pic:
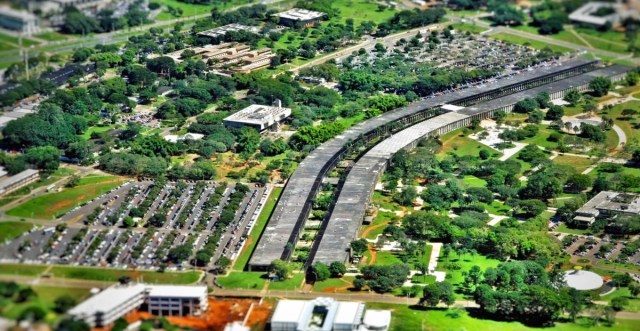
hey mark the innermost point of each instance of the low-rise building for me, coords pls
(19, 20)
(114, 302)
(12, 183)
(258, 117)
(229, 57)
(600, 13)
(297, 16)
(327, 314)
(221, 31)
(608, 204)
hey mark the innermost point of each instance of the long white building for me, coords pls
(114, 302)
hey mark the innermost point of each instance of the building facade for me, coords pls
(19, 20)
(19, 180)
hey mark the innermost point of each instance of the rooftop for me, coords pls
(23, 14)
(174, 291)
(222, 30)
(585, 14)
(16, 178)
(612, 201)
(108, 299)
(258, 114)
(297, 14)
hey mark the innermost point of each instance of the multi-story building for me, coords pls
(325, 314)
(114, 302)
(19, 20)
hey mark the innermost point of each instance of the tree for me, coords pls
(573, 97)
(33, 313)
(128, 222)
(224, 263)
(505, 14)
(406, 196)
(64, 303)
(554, 113)
(71, 324)
(322, 271)
(525, 106)
(541, 186)
(618, 303)
(46, 158)
(359, 246)
(359, 284)
(632, 79)
(600, 86)
(26, 294)
(435, 293)
(337, 269)
(578, 183)
(280, 269)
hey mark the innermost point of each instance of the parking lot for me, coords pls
(147, 225)
(603, 249)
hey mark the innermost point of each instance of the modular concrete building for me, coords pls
(221, 31)
(114, 302)
(599, 13)
(608, 204)
(295, 16)
(12, 183)
(229, 57)
(19, 20)
(258, 117)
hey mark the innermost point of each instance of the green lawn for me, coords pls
(256, 232)
(384, 201)
(49, 206)
(473, 28)
(496, 208)
(625, 123)
(333, 284)
(541, 138)
(97, 129)
(361, 10)
(6, 39)
(10, 230)
(51, 36)
(455, 142)
(565, 229)
(46, 295)
(189, 9)
(406, 318)
(580, 164)
(377, 226)
(290, 284)
(528, 42)
(247, 280)
(22, 269)
(112, 275)
(473, 181)
(465, 263)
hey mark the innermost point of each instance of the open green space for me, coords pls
(96, 129)
(634, 302)
(362, 10)
(542, 138)
(473, 28)
(22, 269)
(51, 36)
(580, 164)
(16, 41)
(473, 181)
(247, 280)
(290, 284)
(257, 230)
(563, 228)
(384, 201)
(376, 227)
(408, 318)
(10, 230)
(455, 264)
(529, 42)
(626, 123)
(190, 9)
(334, 284)
(112, 275)
(46, 295)
(51, 205)
(459, 144)
(496, 208)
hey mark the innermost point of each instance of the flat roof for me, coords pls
(222, 30)
(308, 175)
(175, 291)
(288, 311)
(107, 300)
(377, 318)
(258, 114)
(297, 14)
(615, 201)
(349, 313)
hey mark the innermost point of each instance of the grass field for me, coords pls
(290, 284)
(361, 10)
(455, 142)
(407, 318)
(6, 39)
(112, 275)
(625, 123)
(248, 280)
(541, 138)
(51, 36)
(334, 284)
(473, 181)
(10, 230)
(97, 129)
(376, 227)
(465, 262)
(22, 269)
(261, 223)
(46, 295)
(49, 206)
(528, 42)
(580, 164)
(189, 9)
(473, 28)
